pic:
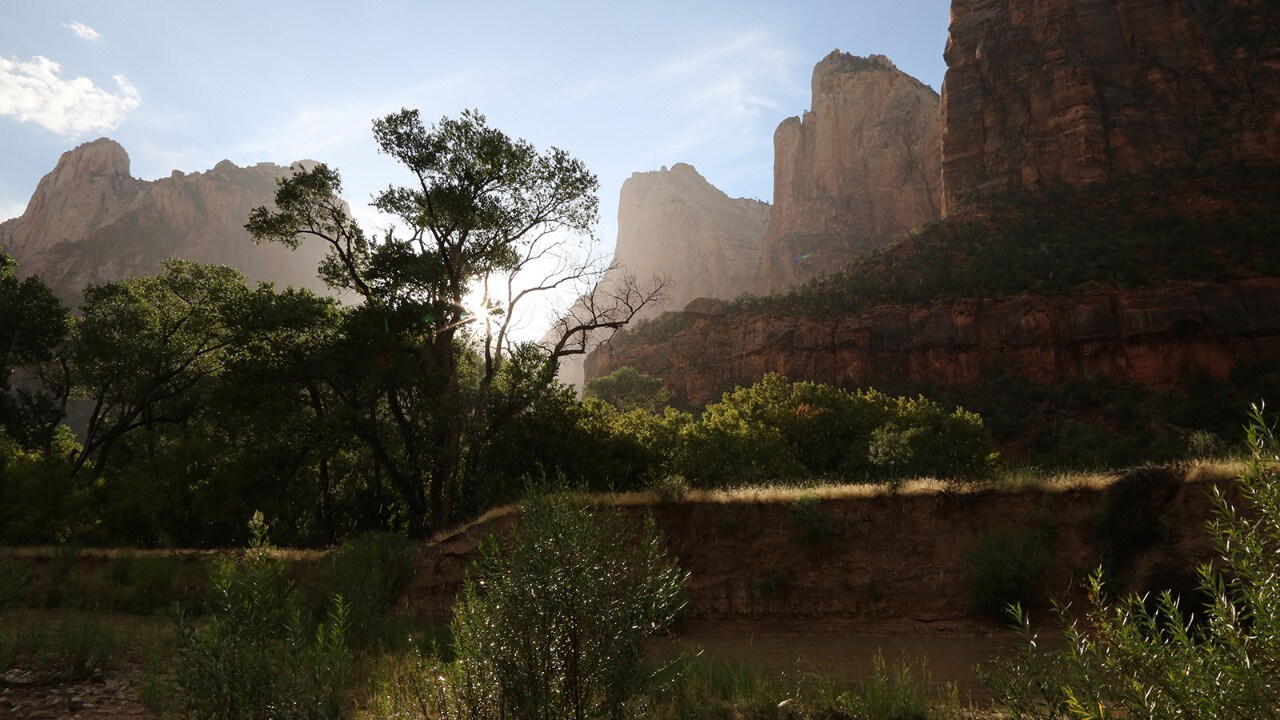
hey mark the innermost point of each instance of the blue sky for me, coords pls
(625, 86)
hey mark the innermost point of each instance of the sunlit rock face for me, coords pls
(1075, 92)
(674, 224)
(862, 168)
(675, 227)
(90, 221)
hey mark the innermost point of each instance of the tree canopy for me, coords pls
(483, 214)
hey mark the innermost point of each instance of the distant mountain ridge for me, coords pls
(90, 221)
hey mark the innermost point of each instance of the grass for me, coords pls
(69, 644)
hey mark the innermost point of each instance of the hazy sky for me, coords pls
(625, 86)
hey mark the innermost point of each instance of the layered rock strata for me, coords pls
(1156, 337)
(1072, 92)
(860, 169)
(90, 221)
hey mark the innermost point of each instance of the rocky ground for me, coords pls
(103, 696)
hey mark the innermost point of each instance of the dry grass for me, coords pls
(1199, 471)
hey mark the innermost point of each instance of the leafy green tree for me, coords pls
(783, 429)
(146, 347)
(626, 388)
(34, 328)
(481, 211)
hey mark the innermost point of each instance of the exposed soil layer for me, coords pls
(904, 562)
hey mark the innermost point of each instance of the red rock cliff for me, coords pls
(90, 221)
(1071, 92)
(861, 169)
(1156, 337)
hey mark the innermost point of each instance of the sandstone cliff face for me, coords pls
(1071, 92)
(862, 168)
(675, 226)
(1157, 337)
(90, 221)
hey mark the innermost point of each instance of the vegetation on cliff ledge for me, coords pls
(1060, 244)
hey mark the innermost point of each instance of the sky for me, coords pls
(624, 86)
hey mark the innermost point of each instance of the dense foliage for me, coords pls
(783, 430)
(257, 655)
(1139, 657)
(552, 623)
(1060, 243)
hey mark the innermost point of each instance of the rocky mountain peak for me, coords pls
(90, 221)
(103, 156)
(672, 223)
(859, 170)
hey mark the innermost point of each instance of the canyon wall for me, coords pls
(1073, 92)
(673, 224)
(675, 227)
(862, 168)
(1156, 337)
(90, 221)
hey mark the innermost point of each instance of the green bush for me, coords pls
(15, 583)
(1005, 567)
(369, 572)
(1131, 658)
(779, 429)
(553, 624)
(627, 389)
(891, 693)
(256, 655)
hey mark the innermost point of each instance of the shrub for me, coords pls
(628, 389)
(71, 648)
(811, 524)
(1126, 659)
(783, 429)
(369, 572)
(1005, 567)
(553, 625)
(896, 693)
(256, 656)
(15, 583)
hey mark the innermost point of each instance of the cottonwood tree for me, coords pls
(33, 326)
(144, 347)
(482, 213)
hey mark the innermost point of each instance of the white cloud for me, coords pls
(11, 209)
(727, 94)
(35, 91)
(82, 31)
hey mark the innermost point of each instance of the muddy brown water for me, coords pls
(948, 658)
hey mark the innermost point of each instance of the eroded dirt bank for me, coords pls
(873, 561)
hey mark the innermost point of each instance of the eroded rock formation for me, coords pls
(861, 169)
(676, 227)
(90, 221)
(674, 224)
(1071, 92)
(1156, 337)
